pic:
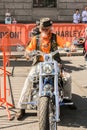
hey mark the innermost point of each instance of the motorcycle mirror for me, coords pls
(19, 48)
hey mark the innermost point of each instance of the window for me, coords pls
(44, 3)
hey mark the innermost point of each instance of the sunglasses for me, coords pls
(45, 29)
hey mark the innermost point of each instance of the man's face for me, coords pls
(86, 8)
(77, 11)
(45, 30)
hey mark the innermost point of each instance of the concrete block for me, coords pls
(14, 5)
(27, 5)
(23, 12)
(62, 5)
(3, 1)
(74, 6)
(23, 1)
(24, 18)
(1, 5)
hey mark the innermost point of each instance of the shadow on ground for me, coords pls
(68, 65)
(75, 118)
(69, 118)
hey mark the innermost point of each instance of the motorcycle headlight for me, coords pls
(47, 68)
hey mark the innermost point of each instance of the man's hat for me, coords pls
(45, 22)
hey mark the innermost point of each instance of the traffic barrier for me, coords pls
(21, 33)
(3, 88)
(17, 33)
(70, 31)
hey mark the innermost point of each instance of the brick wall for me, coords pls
(23, 10)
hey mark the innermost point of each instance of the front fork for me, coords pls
(56, 92)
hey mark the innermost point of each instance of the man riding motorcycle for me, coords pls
(46, 42)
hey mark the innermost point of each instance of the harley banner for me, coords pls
(21, 33)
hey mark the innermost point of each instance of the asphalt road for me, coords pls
(69, 119)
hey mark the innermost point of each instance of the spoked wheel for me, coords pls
(46, 119)
(44, 113)
(53, 123)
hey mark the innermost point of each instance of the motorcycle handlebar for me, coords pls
(40, 53)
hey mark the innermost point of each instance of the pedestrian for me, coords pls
(85, 53)
(46, 42)
(76, 17)
(35, 31)
(8, 18)
(85, 48)
(84, 15)
(14, 21)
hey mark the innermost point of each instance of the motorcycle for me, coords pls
(47, 92)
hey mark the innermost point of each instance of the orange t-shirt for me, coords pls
(45, 43)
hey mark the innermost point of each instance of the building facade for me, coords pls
(26, 11)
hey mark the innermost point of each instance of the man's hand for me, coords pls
(27, 55)
(60, 65)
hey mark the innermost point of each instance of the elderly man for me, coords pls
(46, 42)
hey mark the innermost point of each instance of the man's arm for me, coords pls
(30, 47)
(32, 44)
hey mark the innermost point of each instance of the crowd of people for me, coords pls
(77, 17)
(80, 18)
(9, 19)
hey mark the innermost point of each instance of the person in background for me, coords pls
(75, 41)
(84, 15)
(85, 48)
(35, 31)
(76, 17)
(8, 18)
(14, 21)
(85, 53)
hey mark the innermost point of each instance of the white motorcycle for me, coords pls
(47, 93)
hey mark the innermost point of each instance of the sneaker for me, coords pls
(20, 114)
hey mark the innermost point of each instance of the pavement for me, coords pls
(70, 119)
(20, 54)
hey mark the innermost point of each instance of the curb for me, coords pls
(78, 53)
(15, 54)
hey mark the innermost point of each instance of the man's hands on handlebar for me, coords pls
(26, 54)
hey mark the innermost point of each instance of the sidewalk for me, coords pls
(70, 119)
(19, 54)
(79, 52)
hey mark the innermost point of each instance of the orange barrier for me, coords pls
(6, 53)
(21, 33)
(17, 33)
(70, 31)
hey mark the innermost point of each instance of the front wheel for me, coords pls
(44, 113)
(46, 116)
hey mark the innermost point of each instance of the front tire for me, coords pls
(44, 113)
